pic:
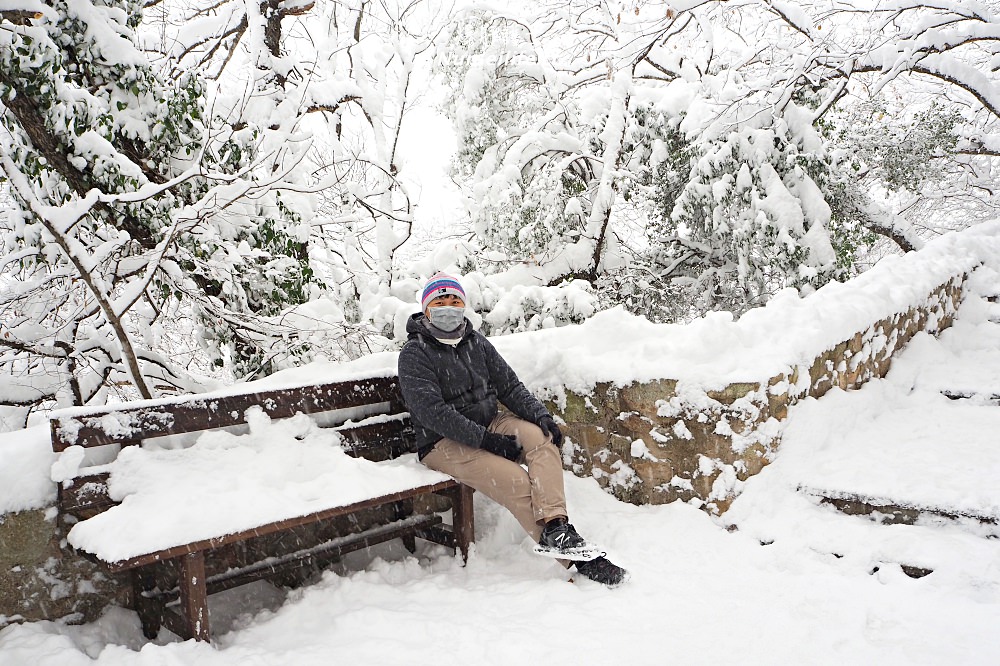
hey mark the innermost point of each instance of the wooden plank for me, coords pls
(439, 535)
(891, 512)
(85, 496)
(899, 514)
(271, 528)
(194, 595)
(378, 441)
(193, 414)
(174, 622)
(966, 395)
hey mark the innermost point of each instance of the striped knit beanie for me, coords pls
(440, 285)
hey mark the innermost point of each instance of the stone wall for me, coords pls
(39, 580)
(658, 442)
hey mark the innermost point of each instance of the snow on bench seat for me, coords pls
(227, 483)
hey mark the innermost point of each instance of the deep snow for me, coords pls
(779, 578)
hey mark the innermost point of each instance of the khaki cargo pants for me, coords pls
(533, 495)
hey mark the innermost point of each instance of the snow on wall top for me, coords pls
(714, 350)
(710, 352)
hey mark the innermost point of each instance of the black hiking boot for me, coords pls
(560, 540)
(604, 571)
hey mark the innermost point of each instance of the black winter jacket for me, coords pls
(453, 391)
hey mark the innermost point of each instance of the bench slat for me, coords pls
(891, 511)
(133, 424)
(85, 496)
(378, 441)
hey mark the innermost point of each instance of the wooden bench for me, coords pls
(186, 573)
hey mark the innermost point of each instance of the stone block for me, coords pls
(41, 581)
(733, 392)
(642, 398)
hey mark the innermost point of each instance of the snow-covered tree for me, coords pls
(135, 203)
(349, 73)
(192, 183)
(543, 163)
(704, 156)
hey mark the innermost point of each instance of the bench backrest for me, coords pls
(131, 423)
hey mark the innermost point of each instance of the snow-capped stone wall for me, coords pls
(656, 442)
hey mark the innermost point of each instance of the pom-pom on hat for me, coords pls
(440, 285)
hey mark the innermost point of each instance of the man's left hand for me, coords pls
(550, 429)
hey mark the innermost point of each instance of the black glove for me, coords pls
(505, 446)
(550, 429)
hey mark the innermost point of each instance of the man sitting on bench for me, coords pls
(452, 379)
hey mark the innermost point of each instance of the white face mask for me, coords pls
(446, 317)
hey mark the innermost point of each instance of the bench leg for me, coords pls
(194, 596)
(143, 581)
(463, 519)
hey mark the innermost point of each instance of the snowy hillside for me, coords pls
(779, 578)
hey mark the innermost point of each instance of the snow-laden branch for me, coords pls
(612, 135)
(76, 254)
(892, 226)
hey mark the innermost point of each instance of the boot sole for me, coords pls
(574, 555)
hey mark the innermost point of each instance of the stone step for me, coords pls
(985, 398)
(910, 570)
(888, 511)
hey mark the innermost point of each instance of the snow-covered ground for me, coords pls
(789, 581)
